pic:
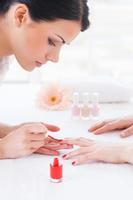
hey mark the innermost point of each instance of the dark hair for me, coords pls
(50, 10)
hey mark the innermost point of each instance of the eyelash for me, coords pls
(51, 42)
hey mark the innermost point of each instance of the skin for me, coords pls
(33, 44)
(32, 41)
(29, 138)
(90, 150)
(124, 124)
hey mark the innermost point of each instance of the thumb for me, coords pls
(52, 127)
(127, 132)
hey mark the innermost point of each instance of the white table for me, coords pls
(28, 178)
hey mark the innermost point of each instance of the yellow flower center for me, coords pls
(53, 99)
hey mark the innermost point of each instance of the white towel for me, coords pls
(109, 89)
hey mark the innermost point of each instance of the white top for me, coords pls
(4, 65)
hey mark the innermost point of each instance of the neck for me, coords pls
(5, 47)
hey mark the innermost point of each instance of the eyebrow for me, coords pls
(63, 41)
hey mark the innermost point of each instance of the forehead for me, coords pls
(67, 29)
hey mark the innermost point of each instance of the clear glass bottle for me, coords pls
(75, 109)
(85, 108)
(95, 110)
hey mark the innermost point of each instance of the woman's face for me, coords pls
(36, 43)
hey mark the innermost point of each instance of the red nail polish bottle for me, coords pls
(56, 171)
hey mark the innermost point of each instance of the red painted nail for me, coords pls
(73, 163)
(64, 156)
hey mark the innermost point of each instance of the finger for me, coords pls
(46, 151)
(77, 152)
(108, 127)
(127, 132)
(51, 140)
(66, 146)
(36, 137)
(59, 146)
(36, 144)
(97, 126)
(54, 139)
(52, 127)
(84, 159)
(34, 128)
(82, 142)
(52, 146)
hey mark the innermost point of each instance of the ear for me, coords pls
(21, 14)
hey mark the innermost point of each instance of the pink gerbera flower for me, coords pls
(54, 97)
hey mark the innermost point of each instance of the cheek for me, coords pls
(30, 43)
(35, 44)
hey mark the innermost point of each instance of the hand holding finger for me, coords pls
(46, 151)
(82, 142)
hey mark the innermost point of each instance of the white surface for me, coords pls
(28, 178)
(110, 89)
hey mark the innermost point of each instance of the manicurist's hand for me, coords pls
(23, 141)
(124, 124)
(50, 145)
(90, 150)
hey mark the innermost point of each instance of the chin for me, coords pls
(28, 68)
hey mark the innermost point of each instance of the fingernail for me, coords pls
(123, 134)
(74, 163)
(64, 156)
(95, 133)
(56, 153)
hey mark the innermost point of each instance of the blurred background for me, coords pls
(99, 60)
(104, 50)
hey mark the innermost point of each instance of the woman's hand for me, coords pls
(50, 145)
(23, 141)
(99, 151)
(124, 124)
(6, 129)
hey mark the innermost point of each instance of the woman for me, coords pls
(35, 31)
(91, 150)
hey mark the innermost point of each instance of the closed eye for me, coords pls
(51, 42)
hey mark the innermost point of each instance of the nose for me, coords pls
(53, 56)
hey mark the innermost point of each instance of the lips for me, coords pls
(38, 64)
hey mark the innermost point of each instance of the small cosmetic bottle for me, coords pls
(75, 109)
(95, 110)
(85, 107)
(56, 171)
